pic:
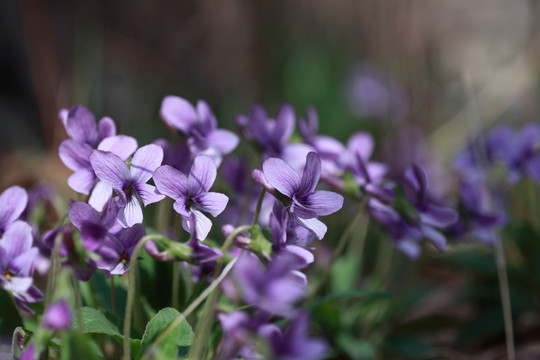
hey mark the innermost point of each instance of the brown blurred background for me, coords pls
(459, 65)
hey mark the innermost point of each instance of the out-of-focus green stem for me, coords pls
(131, 293)
(258, 208)
(201, 332)
(208, 291)
(176, 269)
(341, 246)
(505, 297)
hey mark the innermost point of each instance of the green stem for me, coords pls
(131, 293)
(176, 269)
(208, 291)
(78, 302)
(258, 208)
(505, 297)
(204, 325)
(51, 278)
(341, 246)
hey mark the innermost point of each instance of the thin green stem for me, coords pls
(203, 326)
(208, 291)
(131, 293)
(258, 208)
(54, 264)
(176, 269)
(78, 302)
(505, 297)
(341, 246)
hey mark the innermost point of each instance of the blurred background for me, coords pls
(417, 71)
(423, 76)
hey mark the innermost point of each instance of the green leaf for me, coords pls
(95, 322)
(180, 336)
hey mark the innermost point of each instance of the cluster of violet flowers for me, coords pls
(270, 217)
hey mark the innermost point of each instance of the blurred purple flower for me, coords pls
(298, 194)
(130, 184)
(17, 264)
(199, 125)
(57, 316)
(372, 93)
(191, 193)
(12, 204)
(480, 219)
(273, 135)
(294, 343)
(329, 149)
(410, 225)
(176, 155)
(273, 289)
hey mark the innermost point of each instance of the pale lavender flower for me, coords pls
(191, 193)
(200, 126)
(57, 316)
(130, 183)
(12, 204)
(76, 156)
(17, 264)
(298, 194)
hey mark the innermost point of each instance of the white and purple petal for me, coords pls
(110, 168)
(281, 176)
(170, 181)
(121, 145)
(212, 202)
(12, 203)
(145, 161)
(202, 175)
(178, 113)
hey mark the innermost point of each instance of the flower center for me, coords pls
(124, 259)
(7, 275)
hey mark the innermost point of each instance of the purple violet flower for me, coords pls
(17, 264)
(130, 184)
(122, 244)
(298, 194)
(288, 236)
(76, 156)
(57, 316)
(191, 193)
(80, 124)
(12, 204)
(199, 125)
